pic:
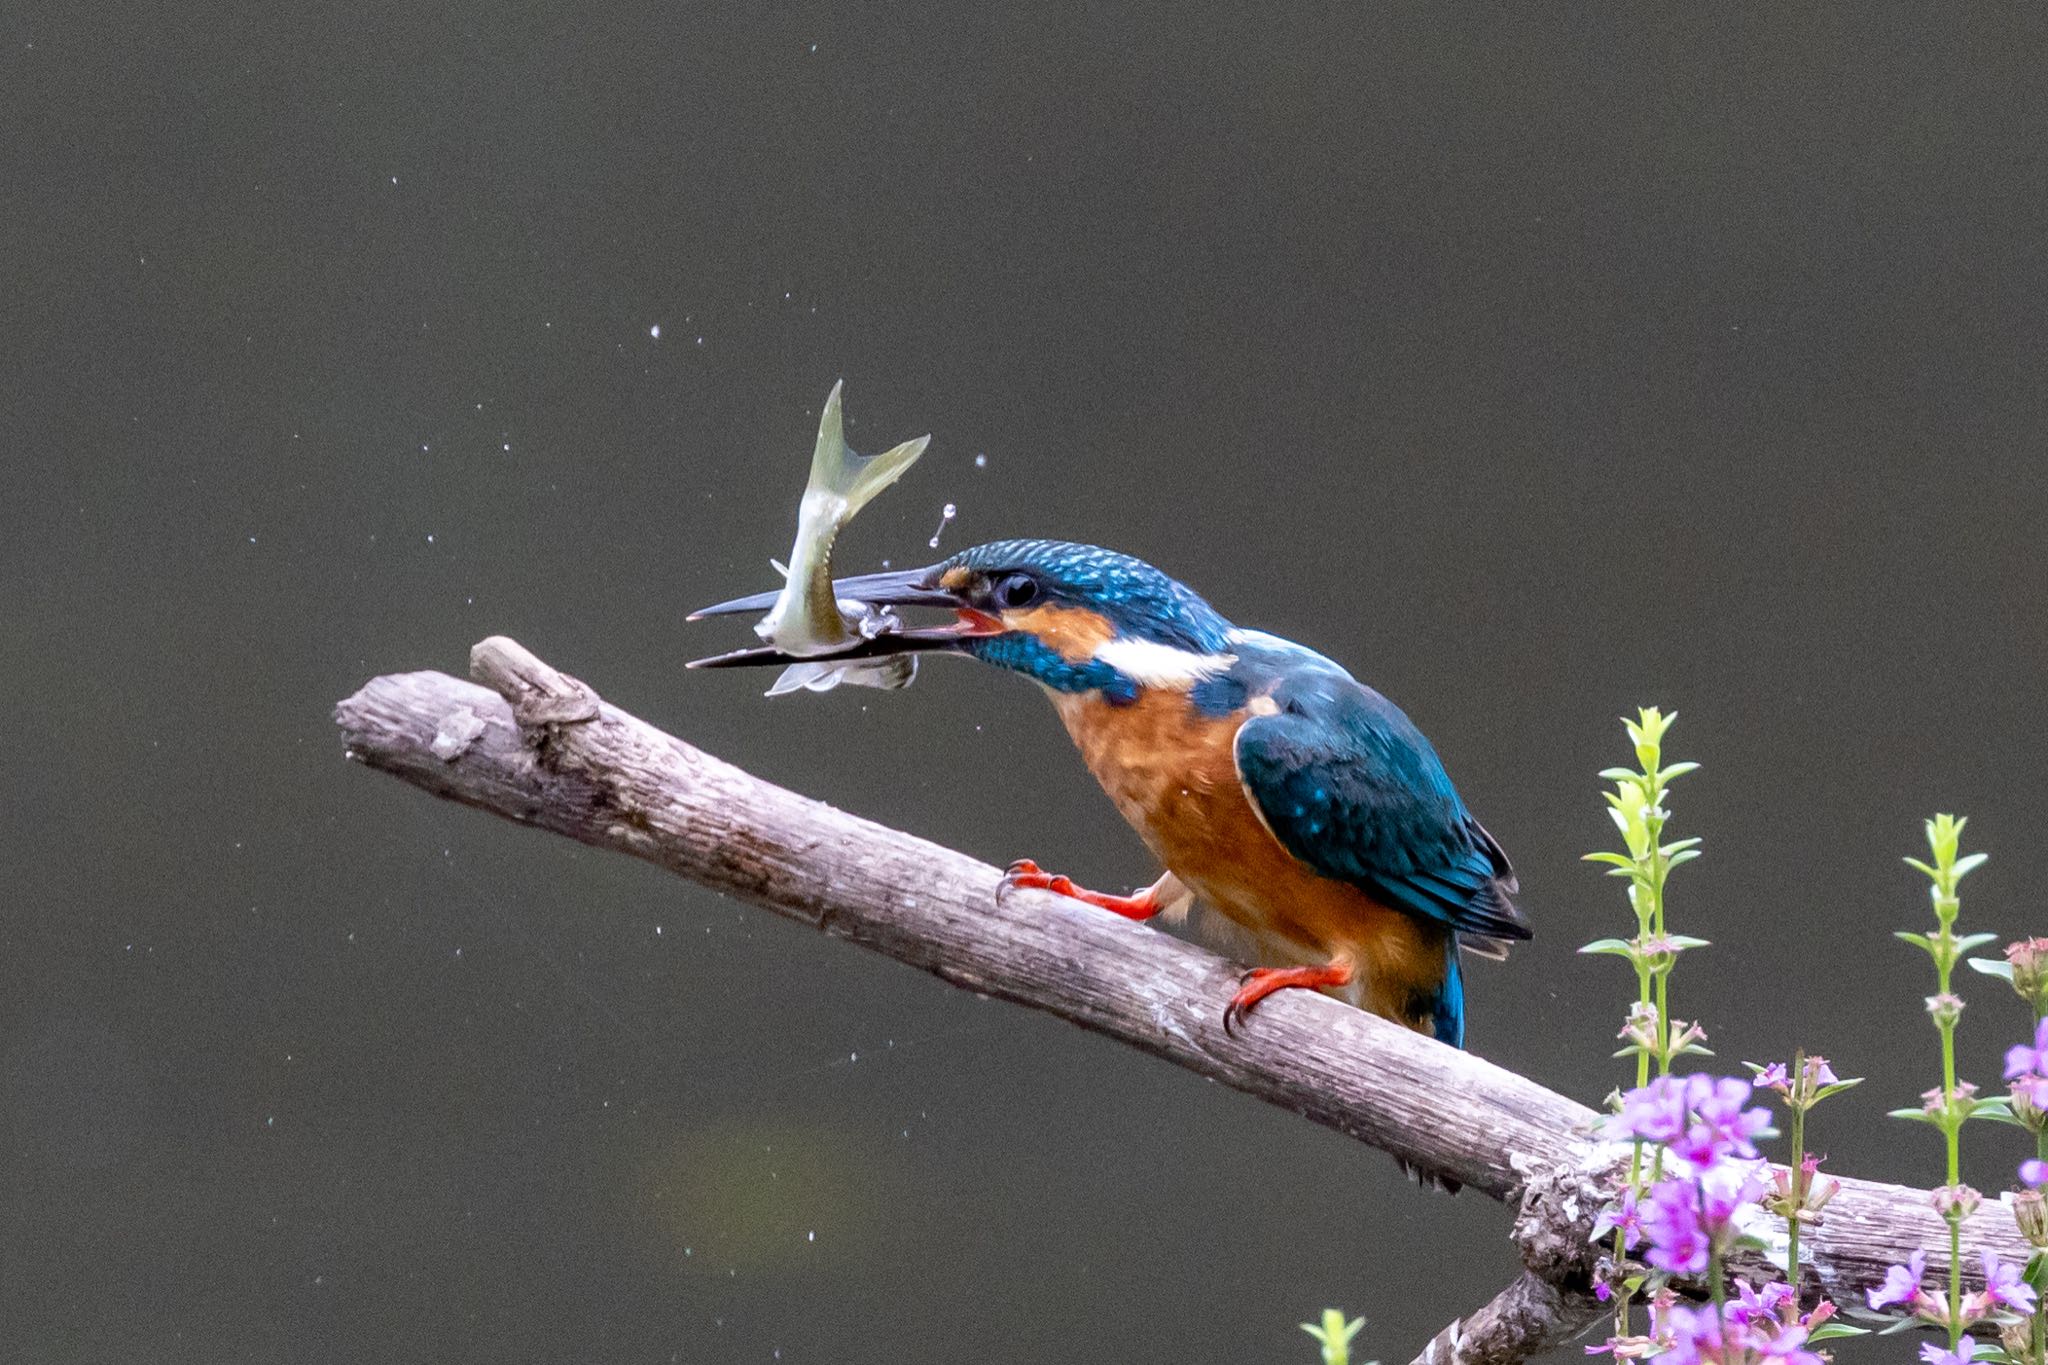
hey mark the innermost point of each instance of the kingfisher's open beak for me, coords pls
(899, 588)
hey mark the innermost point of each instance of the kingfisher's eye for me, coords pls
(1016, 591)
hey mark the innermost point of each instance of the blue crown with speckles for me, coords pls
(1140, 601)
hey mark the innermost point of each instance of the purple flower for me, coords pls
(1901, 1283)
(1774, 1077)
(1758, 1306)
(1655, 1112)
(1686, 1220)
(1678, 1241)
(1721, 1126)
(1695, 1336)
(2022, 1060)
(1623, 1214)
(2034, 1172)
(1934, 1355)
(2003, 1287)
(1701, 1118)
(1787, 1347)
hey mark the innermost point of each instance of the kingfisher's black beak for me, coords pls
(899, 588)
(886, 591)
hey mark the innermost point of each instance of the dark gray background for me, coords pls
(1535, 364)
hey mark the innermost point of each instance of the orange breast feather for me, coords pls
(1171, 772)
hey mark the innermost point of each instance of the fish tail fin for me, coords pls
(836, 470)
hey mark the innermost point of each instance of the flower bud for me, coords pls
(2030, 1211)
(1946, 1008)
(1956, 1201)
(2027, 1095)
(2029, 959)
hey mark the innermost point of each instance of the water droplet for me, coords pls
(981, 462)
(946, 514)
(655, 331)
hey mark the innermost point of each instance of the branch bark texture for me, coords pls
(538, 747)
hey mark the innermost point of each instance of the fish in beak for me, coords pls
(821, 633)
(879, 637)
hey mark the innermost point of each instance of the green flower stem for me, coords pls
(1798, 1193)
(1946, 907)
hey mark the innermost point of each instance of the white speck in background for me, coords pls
(655, 331)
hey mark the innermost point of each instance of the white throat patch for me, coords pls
(1151, 664)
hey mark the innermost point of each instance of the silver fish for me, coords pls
(807, 618)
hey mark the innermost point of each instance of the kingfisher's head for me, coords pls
(1077, 618)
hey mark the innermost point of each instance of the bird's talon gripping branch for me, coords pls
(1026, 874)
(1260, 982)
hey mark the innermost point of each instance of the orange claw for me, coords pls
(1025, 874)
(1260, 982)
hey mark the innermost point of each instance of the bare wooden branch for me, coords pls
(1530, 1316)
(539, 747)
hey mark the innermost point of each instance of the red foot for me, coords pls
(1026, 874)
(1260, 982)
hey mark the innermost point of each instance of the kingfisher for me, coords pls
(1271, 785)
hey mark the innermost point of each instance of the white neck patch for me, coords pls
(1152, 664)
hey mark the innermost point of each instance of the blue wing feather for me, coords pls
(1348, 785)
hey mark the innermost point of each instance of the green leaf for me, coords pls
(1965, 866)
(1923, 867)
(1969, 941)
(1682, 941)
(1999, 1110)
(1992, 967)
(1917, 940)
(1620, 947)
(1682, 857)
(1618, 859)
(1837, 1088)
(1917, 1115)
(1677, 770)
(1827, 1331)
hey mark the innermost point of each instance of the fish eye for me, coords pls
(1017, 590)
